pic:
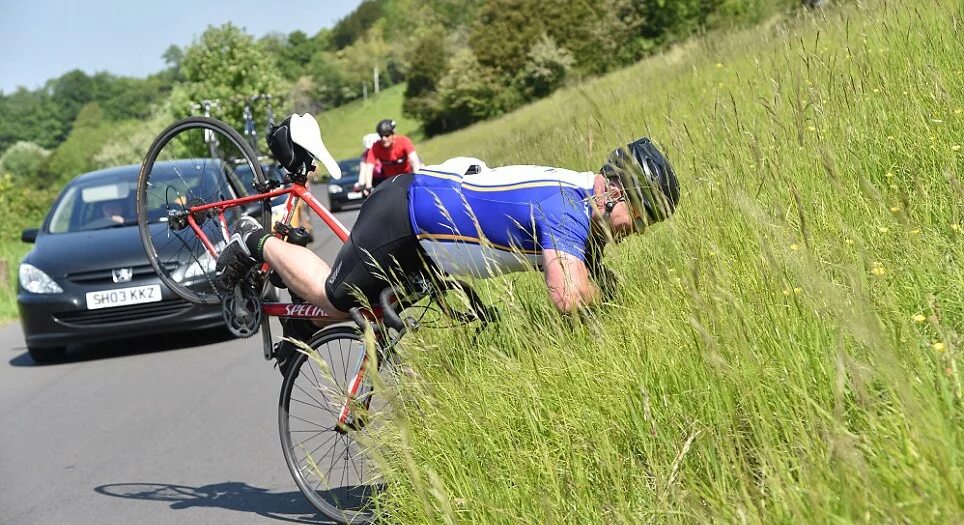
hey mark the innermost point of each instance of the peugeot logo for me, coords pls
(122, 275)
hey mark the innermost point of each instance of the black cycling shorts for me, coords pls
(382, 244)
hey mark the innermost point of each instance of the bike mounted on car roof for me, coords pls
(336, 392)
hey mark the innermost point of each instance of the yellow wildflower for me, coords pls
(811, 128)
(878, 269)
(786, 292)
(889, 174)
(895, 209)
(794, 246)
(915, 231)
(850, 242)
(955, 227)
(797, 290)
(919, 318)
(939, 346)
(883, 229)
(956, 147)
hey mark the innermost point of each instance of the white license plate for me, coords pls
(354, 195)
(123, 296)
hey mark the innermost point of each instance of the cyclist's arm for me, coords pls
(414, 161)
(568, 281)
(365, 174)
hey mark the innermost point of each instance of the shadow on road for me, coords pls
(131, 346)
(231, 495)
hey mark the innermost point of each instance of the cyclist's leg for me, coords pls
(381, 240)
(382, 247)
(302, 271)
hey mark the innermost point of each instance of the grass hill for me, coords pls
(786, 349)
(343, 127)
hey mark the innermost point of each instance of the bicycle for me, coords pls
(250, 128)
(209, 137)
(336, 394)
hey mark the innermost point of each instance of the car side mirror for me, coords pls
(29, 235)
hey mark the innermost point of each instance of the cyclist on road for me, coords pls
(367, 142)
(395, 153)
(463, 218)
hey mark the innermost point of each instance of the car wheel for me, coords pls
(47, 354)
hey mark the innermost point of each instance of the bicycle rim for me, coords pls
(195, 161)
(335, 470)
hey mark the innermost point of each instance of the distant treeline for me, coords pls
(463, 61)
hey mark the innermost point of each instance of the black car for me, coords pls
(342, 192)
(88, 278)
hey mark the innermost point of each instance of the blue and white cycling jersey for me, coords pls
(498, 220)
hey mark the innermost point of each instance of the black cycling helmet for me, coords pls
(290, 155)
(649, 183)
(385, 128)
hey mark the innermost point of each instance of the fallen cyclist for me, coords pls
(464, 218)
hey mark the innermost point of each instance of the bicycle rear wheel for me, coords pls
(194, 162)
(334, 467)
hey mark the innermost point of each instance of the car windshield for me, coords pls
(349, 171)
(108, 201)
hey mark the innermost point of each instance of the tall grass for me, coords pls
(786, 349)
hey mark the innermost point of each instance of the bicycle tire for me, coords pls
(177, 255)
(341, 499)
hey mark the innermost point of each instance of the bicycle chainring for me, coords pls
(242, 309)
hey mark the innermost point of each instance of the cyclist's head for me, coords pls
(369, 140)
(646, 181)
(386, 131)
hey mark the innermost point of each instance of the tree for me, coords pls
(504, 32)
(23, 160)
(74, 156)
(427, 65)
(173, 56)
(225, 65)
(32, 116)
(356, 24)
(469, 92)
(546, 68)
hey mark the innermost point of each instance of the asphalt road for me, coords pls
(167, 430)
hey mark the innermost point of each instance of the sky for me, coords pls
(43, 39)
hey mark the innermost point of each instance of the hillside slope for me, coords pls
(787, 349)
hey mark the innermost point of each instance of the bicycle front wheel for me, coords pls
(334, 465)
(195, 162)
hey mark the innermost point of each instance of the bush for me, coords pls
(23, 160)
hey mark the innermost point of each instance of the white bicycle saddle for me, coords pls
(306, 133)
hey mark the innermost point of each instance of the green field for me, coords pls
(787, 349)
(343, 127)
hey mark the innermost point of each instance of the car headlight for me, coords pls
(334, 189)
(34, 280)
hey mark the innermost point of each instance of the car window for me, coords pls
(349, 170)
(94, 206)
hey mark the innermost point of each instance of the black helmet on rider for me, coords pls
(648, 182)
(385, 128)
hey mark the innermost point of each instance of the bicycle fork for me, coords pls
(348, 417)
